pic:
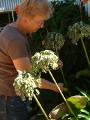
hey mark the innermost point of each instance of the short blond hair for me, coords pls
(36, 7)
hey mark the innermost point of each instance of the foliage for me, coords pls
(63, 16)
(84, 113)
(77, 103)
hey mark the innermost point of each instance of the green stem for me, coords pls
(63, 77)
(85, 51)
(81, 11)
(62, 95)
(65, 82)
(41, 107)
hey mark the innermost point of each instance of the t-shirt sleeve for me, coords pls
(17, 49)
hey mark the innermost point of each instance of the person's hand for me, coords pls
(62, 88)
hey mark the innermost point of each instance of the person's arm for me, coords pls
(45, 84)
(23, 64)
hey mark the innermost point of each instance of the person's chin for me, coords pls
(35, 30)
(32, 31)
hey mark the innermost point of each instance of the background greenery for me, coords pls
(73, 57)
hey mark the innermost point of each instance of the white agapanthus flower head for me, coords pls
(25, 85)
(44, 61)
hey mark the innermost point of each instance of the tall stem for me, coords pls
(62, 94)
(65, 82)
(63, 77)
(41, 107)
(81, 10)
(85, 51)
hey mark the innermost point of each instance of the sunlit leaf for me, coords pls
(84, 93)
(84, 111)
(78, 101)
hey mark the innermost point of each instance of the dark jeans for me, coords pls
(13, 109)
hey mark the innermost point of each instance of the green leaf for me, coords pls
(85, 111)
(84, 93)
(78, 101)
(84, 116)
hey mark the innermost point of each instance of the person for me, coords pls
(15, 55)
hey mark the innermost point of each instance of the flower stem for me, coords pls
(62, 95)
(63, 77)
(85, 51)
(65, 82)
(47, 118)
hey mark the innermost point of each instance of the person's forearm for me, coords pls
(48, 85)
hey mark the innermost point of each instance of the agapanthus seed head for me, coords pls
(46, 61)
(78, 31)
(25, 85)
(54, 41)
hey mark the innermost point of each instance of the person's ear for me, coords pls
(17, 10)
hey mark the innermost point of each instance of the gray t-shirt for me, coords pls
(13, 45)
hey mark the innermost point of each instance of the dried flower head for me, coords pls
(54, 41)
(78, 31)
